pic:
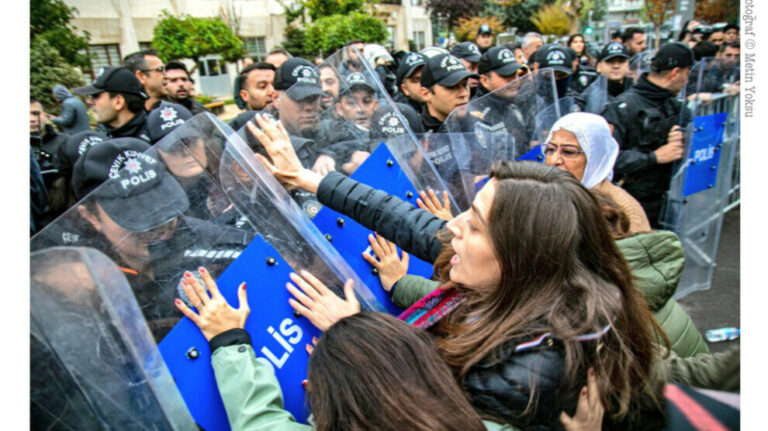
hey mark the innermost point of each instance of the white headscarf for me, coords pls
(594, 136)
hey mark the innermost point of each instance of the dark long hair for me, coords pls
(371, 371)
(561, 273)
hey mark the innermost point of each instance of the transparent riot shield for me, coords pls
(640, 63)
(198, 199)
(595, 97)
(506, 124)
(361, 133)
(90, 333)
(698, 193)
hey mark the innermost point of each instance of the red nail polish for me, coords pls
(184, 282)
(187, 274)
(177, 301)
(243, 286)
(202, 270)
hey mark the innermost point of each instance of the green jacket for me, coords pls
(656, 260)
(252, 395)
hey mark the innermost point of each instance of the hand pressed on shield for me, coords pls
(324, 164)
(318, 304)
(432, 204)
(285, 164)
(214, 315)
(391, 268)
(589, 412)
(357, 159)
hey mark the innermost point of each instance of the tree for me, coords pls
(717, 10)
(516, 13)
(190, 37)
(47, 68)
(467, 28)
(552, 19)
(321, 8)
(50, 20)
(330, 33)
(452, 10)
(657, 12)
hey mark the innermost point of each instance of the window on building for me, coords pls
(145, 45)
(419, 40)
(256, 47)
(211, 67)
(101, 56)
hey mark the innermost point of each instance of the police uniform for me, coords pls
(642, 118)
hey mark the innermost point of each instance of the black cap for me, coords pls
(298, 78)
(445, 70)
(408, 66)
(484, 29)
(356, 80)
(467, 51)
(499, 59)
(134, 188)
(613, 50)
(75, 146)
(164, 119)
(556, 57)
(115, 79)
(672, 55)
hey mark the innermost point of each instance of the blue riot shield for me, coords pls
(358, 131)
(698, 193)
(197, 198)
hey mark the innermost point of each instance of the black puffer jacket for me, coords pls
(499, 386)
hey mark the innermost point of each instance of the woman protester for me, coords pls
(533, 287)
(582, 144)
(347, 387)
(576, 42)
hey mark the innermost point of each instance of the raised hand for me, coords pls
(317, 303)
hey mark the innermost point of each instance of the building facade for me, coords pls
(120, 27)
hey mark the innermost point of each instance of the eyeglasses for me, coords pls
(160, 69)
(567, 151)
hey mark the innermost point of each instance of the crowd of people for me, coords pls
(550, 304)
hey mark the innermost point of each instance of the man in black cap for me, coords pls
(117, 100)
(444, 86)
(496, 105)
(613, 63)
(140, 213)
(179, 85)
(298, 97)
(731, 33)
(497, 68)
(347, 137)
(646, 125)
(560, 59)
(469, 54)
(409, 81)
(484, 39)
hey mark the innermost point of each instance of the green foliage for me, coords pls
(330, 33)
(190, 37)
(321, 8)
(293, 41)
(46, 69)
(50, 20)
(552, 19)
(516, 14)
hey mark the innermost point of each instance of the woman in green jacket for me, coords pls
(369, 371)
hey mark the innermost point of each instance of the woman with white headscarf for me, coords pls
(582, 144)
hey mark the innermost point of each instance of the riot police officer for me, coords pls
(647, 125)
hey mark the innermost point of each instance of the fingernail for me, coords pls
(304, 384)
(202, 270)
(584, 391)
(177, 301)
(184, 282)
(314, 340)
(187, 274)
(243, 285)
(591, 372)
